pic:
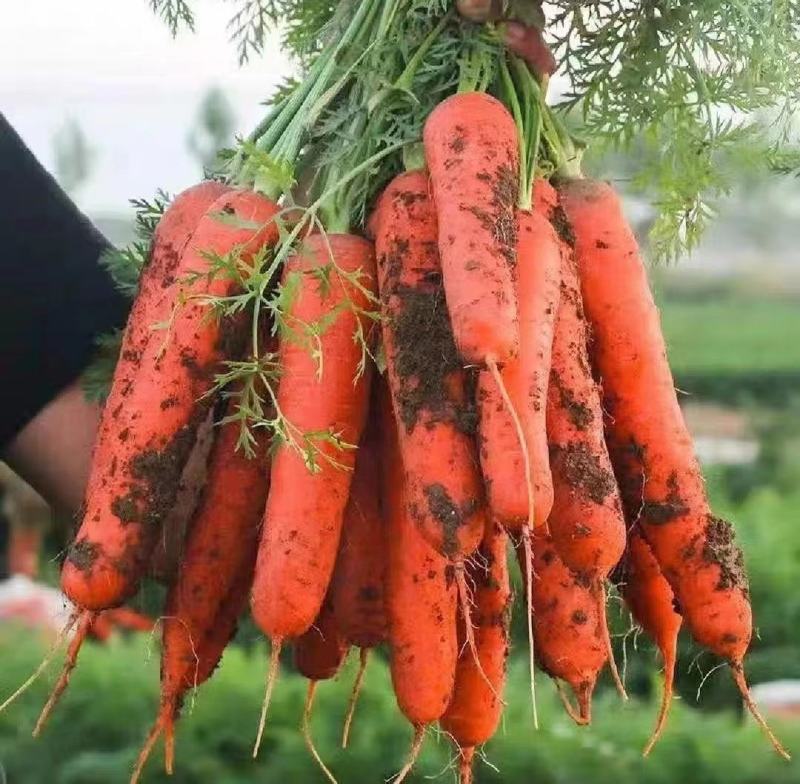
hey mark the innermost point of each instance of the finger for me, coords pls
(528, 43)
(479, 10)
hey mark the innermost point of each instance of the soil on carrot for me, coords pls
(720, 548)
(500, 220)
(560, 222)
(82, 554)
(156, 475)
(582, 470)
(671, 508)
(448, 513)
(425, 351)
(578, 413)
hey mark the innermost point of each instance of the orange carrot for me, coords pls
(472, 152)
(434, 415)
(651, 603)
(568, 629)
(474, 711)
(526, 379)
(587, 525)
(662, 486)
(357, 587)
(216, 568)
(151, 416)
(323, 396)
(420, 601)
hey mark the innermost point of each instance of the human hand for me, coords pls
(524, 40)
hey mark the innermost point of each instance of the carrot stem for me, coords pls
(272, 676)
(353, 701)
(85, 621)
(738, 676)
(309, 741)
(413, 754)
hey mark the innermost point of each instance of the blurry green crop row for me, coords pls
(95, 735)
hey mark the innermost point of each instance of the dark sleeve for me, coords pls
(55, 298)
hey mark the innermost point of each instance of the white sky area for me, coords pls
(113, 66)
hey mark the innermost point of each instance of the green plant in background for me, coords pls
(96, 734)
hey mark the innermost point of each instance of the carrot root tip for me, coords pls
(85, 620)
(738, 677)
(354, 695)
(272, 675)
(413, 754)
(306, 727)
(666, 702)
(466, 757)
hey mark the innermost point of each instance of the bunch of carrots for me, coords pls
(476, 369)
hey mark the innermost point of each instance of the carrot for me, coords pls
(318, 656)
(568, 629)
(472, 153)
(434, 413)
(474, 711)
(305, 510)
(421, 601)
(149, 421)
(526, 378)
(216, 568)
(662, 485)
(651, 603)
(586, 522)
(357, 586)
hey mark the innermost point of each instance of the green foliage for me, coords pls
(213, 129)
(709, 87)
(74, 157)
(175, 13)
(95, 734)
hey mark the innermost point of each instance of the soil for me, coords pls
(82, 554)
(579, 414)
(582, 470)
(671, 508)
(448, 514)
(720, 549)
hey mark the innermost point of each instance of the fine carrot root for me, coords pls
(44, 664)
(84, 621)
(527, 554)
(413, 754)
(272, 677)
(465, 608)
(600, 591)
(307, 737)
(528, 527)
(741, 683)
(580, 715)
(354, 695)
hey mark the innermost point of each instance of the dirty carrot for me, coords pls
(323, 396)
(663, 488)
(474, 711)
(652, 605)
(421, 601)
(216, 568)
(434, 412)
(472, 152)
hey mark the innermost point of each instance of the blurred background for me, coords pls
(116, 109)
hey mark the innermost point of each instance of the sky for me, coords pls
(112, 65)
